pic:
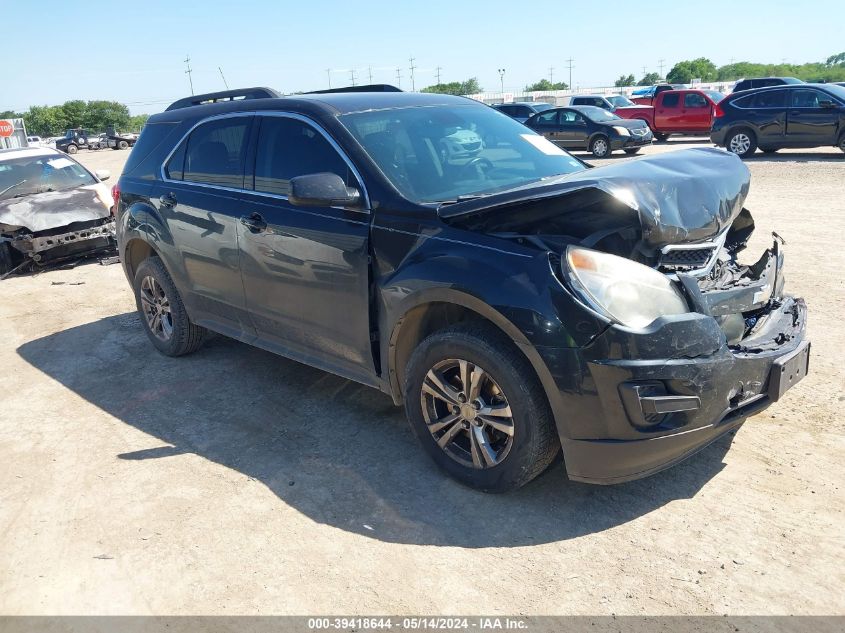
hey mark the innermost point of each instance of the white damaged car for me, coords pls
(51, 209)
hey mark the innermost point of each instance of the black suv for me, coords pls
(764, 82)
(513, 299)
(801, 115)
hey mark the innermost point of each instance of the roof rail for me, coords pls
(367, 88)
(224, 95)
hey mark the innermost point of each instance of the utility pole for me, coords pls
(660, 63)
(502, 79)
(644, 71)
(225, 83)
(551, 74)
(398, 77)
(352, 75)
(370, 73)
(570, 66)
(188, 72)
(329, 75)
(413, 68)
(437, 73)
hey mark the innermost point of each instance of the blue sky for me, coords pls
(289, 45)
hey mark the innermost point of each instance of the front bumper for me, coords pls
(652, 398)
(628, 142)
(55, 246)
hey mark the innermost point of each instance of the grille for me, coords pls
(686, 258)
(471, 146)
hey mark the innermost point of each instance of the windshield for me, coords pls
(541, 107)
(599, 115)
(620, 101)
(837, 91)
(37, 174)
(714, 95)
(438, 154)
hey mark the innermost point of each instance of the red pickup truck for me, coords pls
(678, 112)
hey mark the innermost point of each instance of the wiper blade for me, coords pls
(12, 186)
(465, 198)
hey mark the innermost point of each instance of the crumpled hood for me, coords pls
(683, 196)
(54, 209)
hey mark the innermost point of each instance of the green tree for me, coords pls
(649, 79)
(836, 60)
(100, 114)
(624, 80)
(685, 71)
(544, 85)
(468, 87)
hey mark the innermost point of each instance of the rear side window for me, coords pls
(214, 153)
(769, 99)
(288, 148)
(151, 137)
(694, 100)
(671, 100)
(547, 118)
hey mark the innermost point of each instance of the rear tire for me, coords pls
(600, 146)
(162, 312)
(122, 144)
(660, 137)
(741, 142)
(492, 452)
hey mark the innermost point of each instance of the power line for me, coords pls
(188, 72)
(413, 87)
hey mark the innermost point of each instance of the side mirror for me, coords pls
(827, 103)
(103, 174)
(322, 190)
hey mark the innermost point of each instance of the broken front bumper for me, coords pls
(681, 392)
(43, 248)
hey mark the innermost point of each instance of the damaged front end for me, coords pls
(55, 227)
(693, 341)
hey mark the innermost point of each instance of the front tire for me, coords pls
(600, 147)
(660, 137)
(72, 149)
(122, 144)
(162, 312)
(478, 410)
(632, 151)
(741, 142)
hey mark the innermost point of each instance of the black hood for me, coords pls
(684, 196)
(53, 209)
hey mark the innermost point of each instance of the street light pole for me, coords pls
(502, 79)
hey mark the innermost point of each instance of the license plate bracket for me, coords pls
(788, 370)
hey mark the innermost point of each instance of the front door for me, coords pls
(305, 270)
(697, 112)
(809, 124)
(667, 111)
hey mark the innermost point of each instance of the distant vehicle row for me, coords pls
(79, 138)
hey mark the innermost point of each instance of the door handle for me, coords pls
(168, 200)
(254, 222)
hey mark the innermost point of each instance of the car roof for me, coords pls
(520, 103)
(23, 152)
(332, 104)
(592, 96)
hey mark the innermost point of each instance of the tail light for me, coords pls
(115, 196)
(718, 113)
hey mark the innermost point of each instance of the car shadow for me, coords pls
(786, 156)
(336, 451)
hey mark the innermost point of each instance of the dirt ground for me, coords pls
(234, 482)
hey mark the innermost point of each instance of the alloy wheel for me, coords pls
(740, 143)
(156, 308)
(600, 147)
(467, 413)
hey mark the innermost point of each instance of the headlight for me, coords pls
(621, 131)
(623, 290)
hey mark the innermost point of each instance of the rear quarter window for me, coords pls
(151, 138)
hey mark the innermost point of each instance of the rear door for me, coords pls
(667, 110)
(809, 124)
(546, 123)
(198, 199)
(305, 270)
(766, 111)
(572, 130)
(696, 112)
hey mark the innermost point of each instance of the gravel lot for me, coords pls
(233, 481)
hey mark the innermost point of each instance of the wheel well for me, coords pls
(420, 322)
(136, 252)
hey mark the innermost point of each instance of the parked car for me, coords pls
(618, 104)
(679, 111)
(73, 140)
(591, 128)
(796, 115)
(515, 301)
(33, 141)
(119, 140)
(764, 82)
(648, 95)
(51, 209)
(522, 110)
